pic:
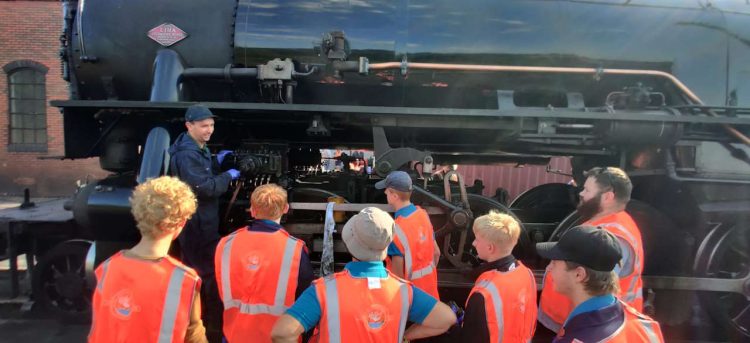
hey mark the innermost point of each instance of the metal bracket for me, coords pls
(505, 100)
(276, 69)
(388, 159)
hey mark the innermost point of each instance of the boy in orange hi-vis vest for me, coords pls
(502, 304)
(582, 264)
(260, 269)
(414, 253)
(364, 302)
(143, 294)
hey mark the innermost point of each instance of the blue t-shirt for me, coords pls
(307, 308)
(405, 211)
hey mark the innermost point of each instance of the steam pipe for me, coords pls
(531, 69)
(167, 69)
(219, 72)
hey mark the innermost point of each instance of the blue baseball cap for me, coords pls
(198, 112)
(398, 180)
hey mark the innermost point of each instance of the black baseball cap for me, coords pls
(198, 112)
(586, 245)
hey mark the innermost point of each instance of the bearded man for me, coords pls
(603, 200)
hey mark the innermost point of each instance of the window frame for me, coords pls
(10, 69)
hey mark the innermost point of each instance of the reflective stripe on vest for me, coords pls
(650, 332)
(407, 250)
(333, 312)
(282, 282)
(632, 292)
(403, 290)
(332, 308)
(422, 272)
(547, 321)
(225, 257)
(498, 305)
(411, 275)
(171, 304)
(100, 284)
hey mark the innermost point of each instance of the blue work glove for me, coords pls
(234, 173)
(222, 154)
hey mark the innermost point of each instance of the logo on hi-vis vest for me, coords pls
(252, 261)
(522, 302)
(376, 317)
(122, 304)
(422, 236)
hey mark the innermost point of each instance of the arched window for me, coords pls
(27, 106)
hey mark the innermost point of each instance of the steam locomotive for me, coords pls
(659, 88)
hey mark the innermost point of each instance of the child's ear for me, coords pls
(286, 208)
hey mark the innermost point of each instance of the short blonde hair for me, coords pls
(498, 228)
(162, 205)
(268, 201)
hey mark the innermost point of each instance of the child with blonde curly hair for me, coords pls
(143, 294)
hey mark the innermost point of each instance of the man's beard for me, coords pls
(588, 209)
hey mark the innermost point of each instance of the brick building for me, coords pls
(31, 132)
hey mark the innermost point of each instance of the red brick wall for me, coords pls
(30, 30)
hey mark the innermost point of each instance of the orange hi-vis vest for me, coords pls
(554, 307)
(142, 301)
(637, 327)
(509, 303)
(413, 235)
(257, 278)
(362, 309)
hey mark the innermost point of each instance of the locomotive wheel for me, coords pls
(725, 253)
(546, 203)
(59, 282)
(570, 221)
(457, 245)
